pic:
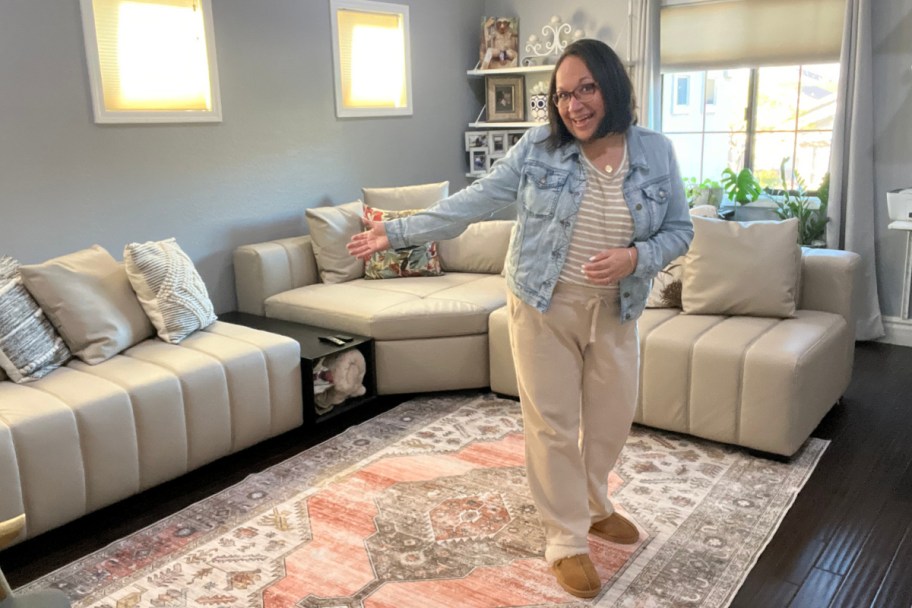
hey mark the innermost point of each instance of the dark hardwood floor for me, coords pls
(846, 542)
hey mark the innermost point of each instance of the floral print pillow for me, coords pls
(418, 261)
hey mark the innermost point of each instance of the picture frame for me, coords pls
(505, 98)
(498, 143)
(499, 43)
(478, 161)
(513, 137)
(476, 139)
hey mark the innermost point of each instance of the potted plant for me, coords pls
(741, 187)
(744, 190)
(707, 192)
(811, 222)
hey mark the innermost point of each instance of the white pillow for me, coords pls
(170, 290)
(330, 230)
(742, 268)
(88, 298)
(481, 248)
(403, 198)
(29, 346)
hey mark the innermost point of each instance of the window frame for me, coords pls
(370, 6)
(100, 110)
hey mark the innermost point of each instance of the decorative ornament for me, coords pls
(538, 102)
(557, 35)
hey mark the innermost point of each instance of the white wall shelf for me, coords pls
(527, 69)
(480, 124)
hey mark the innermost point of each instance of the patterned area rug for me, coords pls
(426, 506)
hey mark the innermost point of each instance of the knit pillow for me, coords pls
(30, 348)
(169, 288)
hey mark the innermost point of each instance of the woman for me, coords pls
(600, 210)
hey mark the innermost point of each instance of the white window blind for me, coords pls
(746, 33)
(151, 60)
(371, 52)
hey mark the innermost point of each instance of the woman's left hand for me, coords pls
(610, 266)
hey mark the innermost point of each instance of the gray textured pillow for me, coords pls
(29, 346)
(169, 288)
(330, 230)
(88, 298)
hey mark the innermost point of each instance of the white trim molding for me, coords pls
(898, 331)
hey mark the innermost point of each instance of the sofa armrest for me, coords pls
(828, 281)
(262, 270)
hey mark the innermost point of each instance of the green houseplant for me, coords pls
(741, 187)
(707, 192)
(811, 222)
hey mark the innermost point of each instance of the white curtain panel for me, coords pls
(643, 21)
(852, 195)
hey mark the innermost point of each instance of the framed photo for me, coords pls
(498, 143)
(478, 161)
(513, 137)
(505, 98)
(476, 139)
(499, 43)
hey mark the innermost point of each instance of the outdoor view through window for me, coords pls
(752, 117)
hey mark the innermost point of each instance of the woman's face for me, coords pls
(581, 118)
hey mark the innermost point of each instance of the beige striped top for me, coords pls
(604, 221)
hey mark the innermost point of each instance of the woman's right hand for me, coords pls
(364, 244)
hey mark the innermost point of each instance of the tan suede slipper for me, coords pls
(577, 576)
(616, 529)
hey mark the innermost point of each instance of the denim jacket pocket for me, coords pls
(658, 191)
(541, 189)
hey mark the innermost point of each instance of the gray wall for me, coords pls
(66, 182)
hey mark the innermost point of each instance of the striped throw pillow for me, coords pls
(30, 348)
(169, 288)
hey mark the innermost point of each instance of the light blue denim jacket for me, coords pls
(547, 187)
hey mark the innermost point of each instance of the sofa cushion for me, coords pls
(29, 346)
(88, 298)
(330, 230)
(481, 248)
(742, 268)
(169, 288)
(420, 307)
(417, 261)
(405, 197)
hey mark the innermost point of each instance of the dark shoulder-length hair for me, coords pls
(613, 84)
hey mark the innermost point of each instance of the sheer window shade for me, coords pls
(371, 47)
(151, 60)
(747, 33)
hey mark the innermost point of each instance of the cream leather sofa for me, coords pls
(86, 436)
(762, 383)
(144, 394)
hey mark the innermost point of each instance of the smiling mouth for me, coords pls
(581, 120)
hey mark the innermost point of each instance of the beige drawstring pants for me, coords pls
(577, 370)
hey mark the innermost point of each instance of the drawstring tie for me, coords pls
(595, 305)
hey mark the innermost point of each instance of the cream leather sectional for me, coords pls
(86, 436)
(762, 383)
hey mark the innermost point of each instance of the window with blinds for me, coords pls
(371, 56)
(151, 60)
(748, 83)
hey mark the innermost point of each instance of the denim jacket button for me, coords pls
(662, 194)
(626, 294)
(627, 316)
(639, 206)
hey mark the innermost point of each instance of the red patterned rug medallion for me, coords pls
(426, 506)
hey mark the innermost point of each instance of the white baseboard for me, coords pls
(898, 331)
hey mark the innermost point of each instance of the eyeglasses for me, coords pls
(583, 92)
